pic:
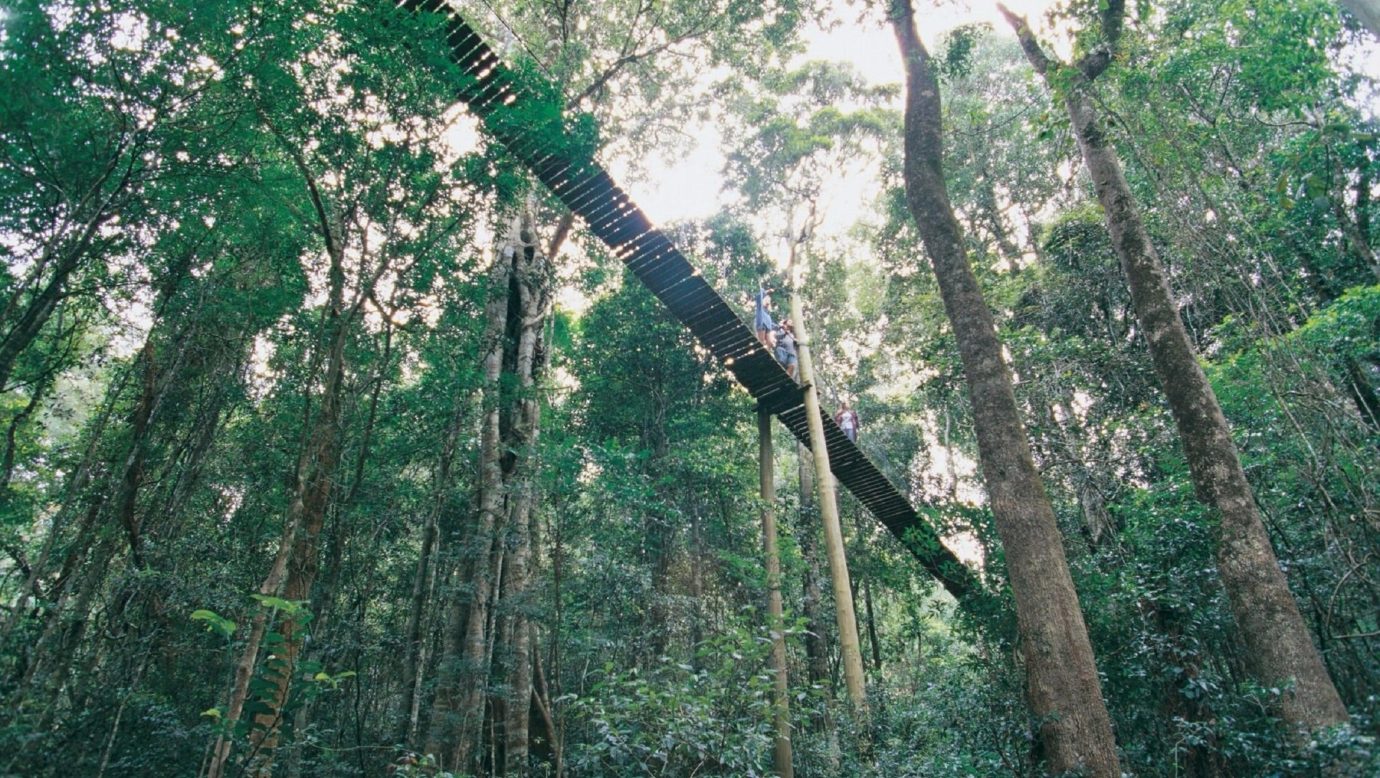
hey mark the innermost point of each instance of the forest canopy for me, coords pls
(357, 421)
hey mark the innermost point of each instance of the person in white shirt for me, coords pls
(847, 419)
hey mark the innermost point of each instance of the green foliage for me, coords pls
(425, 766)
(155, 427)
(957, 59)
(708, 716)
(796, 134)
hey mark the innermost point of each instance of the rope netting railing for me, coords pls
(535, 130)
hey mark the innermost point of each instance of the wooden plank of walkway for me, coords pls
(534, 131)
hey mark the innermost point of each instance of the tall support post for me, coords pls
(781, 754)
(829, 512)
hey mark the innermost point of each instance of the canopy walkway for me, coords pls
(533, 128)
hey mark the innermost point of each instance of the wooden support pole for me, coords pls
(849, 648)
(781, 754)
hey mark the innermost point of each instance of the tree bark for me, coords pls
(313, 496)
(424, 581)
(1062, 685)
(872, 637)
(812, 596)
(295, 564)
(532, 287)
(422, 585)
(1280, 648)
(457, 709)
(776, 620)
(315, 479)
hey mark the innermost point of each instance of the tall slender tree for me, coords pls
(1280, 648)
(781, 714)
(1062, 684)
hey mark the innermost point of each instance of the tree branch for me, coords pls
(1033, 52)
(318, 204)
(1113, 20)
(1096, 61)
(1092, 64)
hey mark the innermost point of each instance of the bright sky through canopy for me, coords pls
(693, 187)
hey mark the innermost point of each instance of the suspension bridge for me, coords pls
(533, 127)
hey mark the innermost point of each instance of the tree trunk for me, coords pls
(36, 313)
(316, 476)
(1280, 647)
(458, 710)
(872, 637)
(58, 648)
(132, 477)
(37, 391)
(424, 580)
(422, 584)
(776, 620)
(1062, 685)
(323, 599)
(295, 564)
(812, 596)
(532, 287)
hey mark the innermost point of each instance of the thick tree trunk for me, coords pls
(458, 710)
(1280, 647)
(532, 287)
(1062, 685)
(776, 620)
(323, 599)
(295, 564)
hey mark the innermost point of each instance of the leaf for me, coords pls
(293, 609)
(215, 622)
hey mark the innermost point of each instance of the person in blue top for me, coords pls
(762, 321)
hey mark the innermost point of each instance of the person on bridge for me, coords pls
(762, 321)
(785, 348)
(847, 419)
